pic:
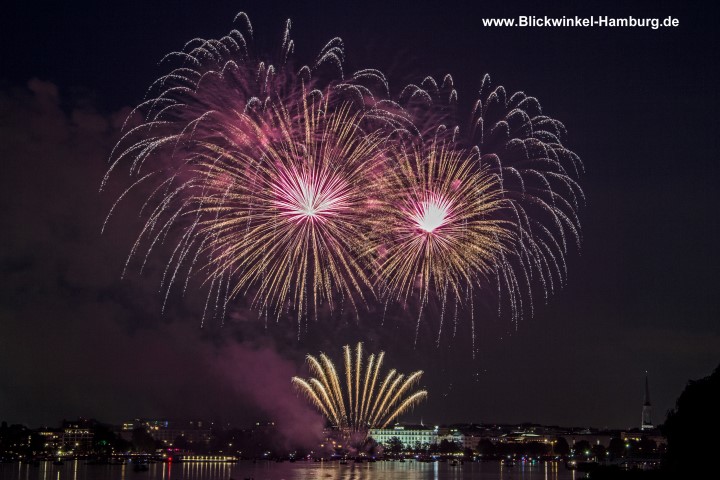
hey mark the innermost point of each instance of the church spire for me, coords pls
(647, 408)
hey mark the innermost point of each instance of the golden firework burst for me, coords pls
(366, 400)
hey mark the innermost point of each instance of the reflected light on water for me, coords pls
(265, 470)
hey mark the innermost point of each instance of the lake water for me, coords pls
(411, 470)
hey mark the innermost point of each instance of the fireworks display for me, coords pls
(291, 224)
(364, 399)
(438, 226)
(301, 188)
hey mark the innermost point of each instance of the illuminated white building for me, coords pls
(409, 436)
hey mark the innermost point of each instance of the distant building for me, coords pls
(647, 409)
(523, 437)
(593, 438)
(52, 438)
(473, 434)
(470, 441)
(165, 431)
(453, 435)
(77, 435)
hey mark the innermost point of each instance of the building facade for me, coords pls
(409, 436)
(77, 438)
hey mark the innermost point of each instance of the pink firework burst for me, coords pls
(300, 190)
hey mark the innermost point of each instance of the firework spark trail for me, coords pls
(305, 188)
(351, 411)
(525, 148)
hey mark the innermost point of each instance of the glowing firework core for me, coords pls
(310, 197)
(431, 214)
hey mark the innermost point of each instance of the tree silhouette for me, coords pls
(394, 445)
(696, 414)
(561, 446)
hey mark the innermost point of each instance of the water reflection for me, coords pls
(411, 470)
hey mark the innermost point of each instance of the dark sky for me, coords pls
(641, 108)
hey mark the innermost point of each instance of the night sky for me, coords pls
(641, 107)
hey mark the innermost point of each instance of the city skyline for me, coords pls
(646, 423)
(639, 106)
(175, 441)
